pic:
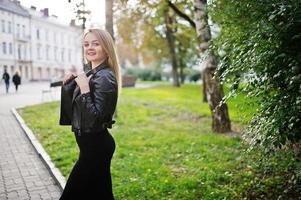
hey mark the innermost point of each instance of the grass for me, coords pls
(165, 146)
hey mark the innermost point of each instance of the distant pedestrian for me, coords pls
(6, 78)
(17, 80)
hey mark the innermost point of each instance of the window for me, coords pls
(4, 47)
(40, 72)
(12, 69)
(48, 73)
(23, 31)
(39, 52)
(18, 30)
(3, 25)
(55, 53)
(46, 35)
(10, 48)
(20, 70)
(24, 52)
(47, 52)
(9, 27)
(19, 51)
(26, 71)
(38, 34)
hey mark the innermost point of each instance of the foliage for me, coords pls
(146, 33)
(166, 150)
(276, 176)
(145, 20)
(146, 74)
(186, 39)
(192, 74)
(262, 39)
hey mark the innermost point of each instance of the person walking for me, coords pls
(16, 80)
(88, 102)
(6, 78)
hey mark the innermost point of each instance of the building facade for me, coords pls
(37, 44)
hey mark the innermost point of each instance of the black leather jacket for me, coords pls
(93, 111)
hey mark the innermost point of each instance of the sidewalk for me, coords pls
(23, 175)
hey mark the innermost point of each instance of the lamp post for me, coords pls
(81, 14)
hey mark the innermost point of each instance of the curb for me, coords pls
(55, 173)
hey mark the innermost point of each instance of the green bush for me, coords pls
(195, 77)
(192, 74)
(263, 38)
(145, 74)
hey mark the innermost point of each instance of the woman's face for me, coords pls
(92, 49)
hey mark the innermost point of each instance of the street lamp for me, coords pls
(81, 14)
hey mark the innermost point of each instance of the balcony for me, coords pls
(24, 61)
(22, 38)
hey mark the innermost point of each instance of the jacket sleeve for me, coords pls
(98, 105)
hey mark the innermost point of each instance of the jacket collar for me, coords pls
(88, 73)
(96, 69)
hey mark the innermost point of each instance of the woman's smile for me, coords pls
(91, 53)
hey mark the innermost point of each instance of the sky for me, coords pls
(65, 10)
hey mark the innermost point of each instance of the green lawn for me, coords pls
(165, 146)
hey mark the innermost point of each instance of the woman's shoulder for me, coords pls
(105, 75)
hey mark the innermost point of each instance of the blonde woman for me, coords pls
(88, 104)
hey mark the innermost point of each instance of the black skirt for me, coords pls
(90, 177)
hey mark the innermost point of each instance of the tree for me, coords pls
(192, 24)
(149, 34)
(109, 17)
(169, 24)
(143, 38)
(262, 39)
(214, 90)
(156, 13)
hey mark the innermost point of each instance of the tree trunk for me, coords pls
(109, 17)
(171, 44)
(214, 91)
(182, 75)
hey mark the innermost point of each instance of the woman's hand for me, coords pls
(83, 82)
(68, 77)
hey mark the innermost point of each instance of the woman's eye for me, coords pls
(92, 44)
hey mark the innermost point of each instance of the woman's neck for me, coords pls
(95, 64)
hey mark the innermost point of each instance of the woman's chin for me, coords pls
(91, 59)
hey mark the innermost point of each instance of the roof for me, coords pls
(14, 7)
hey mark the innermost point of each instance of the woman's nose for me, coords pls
(89, 45)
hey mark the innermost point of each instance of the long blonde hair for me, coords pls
(107, 43)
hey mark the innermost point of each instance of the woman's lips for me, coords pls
(91, 54)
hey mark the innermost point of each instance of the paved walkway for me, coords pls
(23, 175)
